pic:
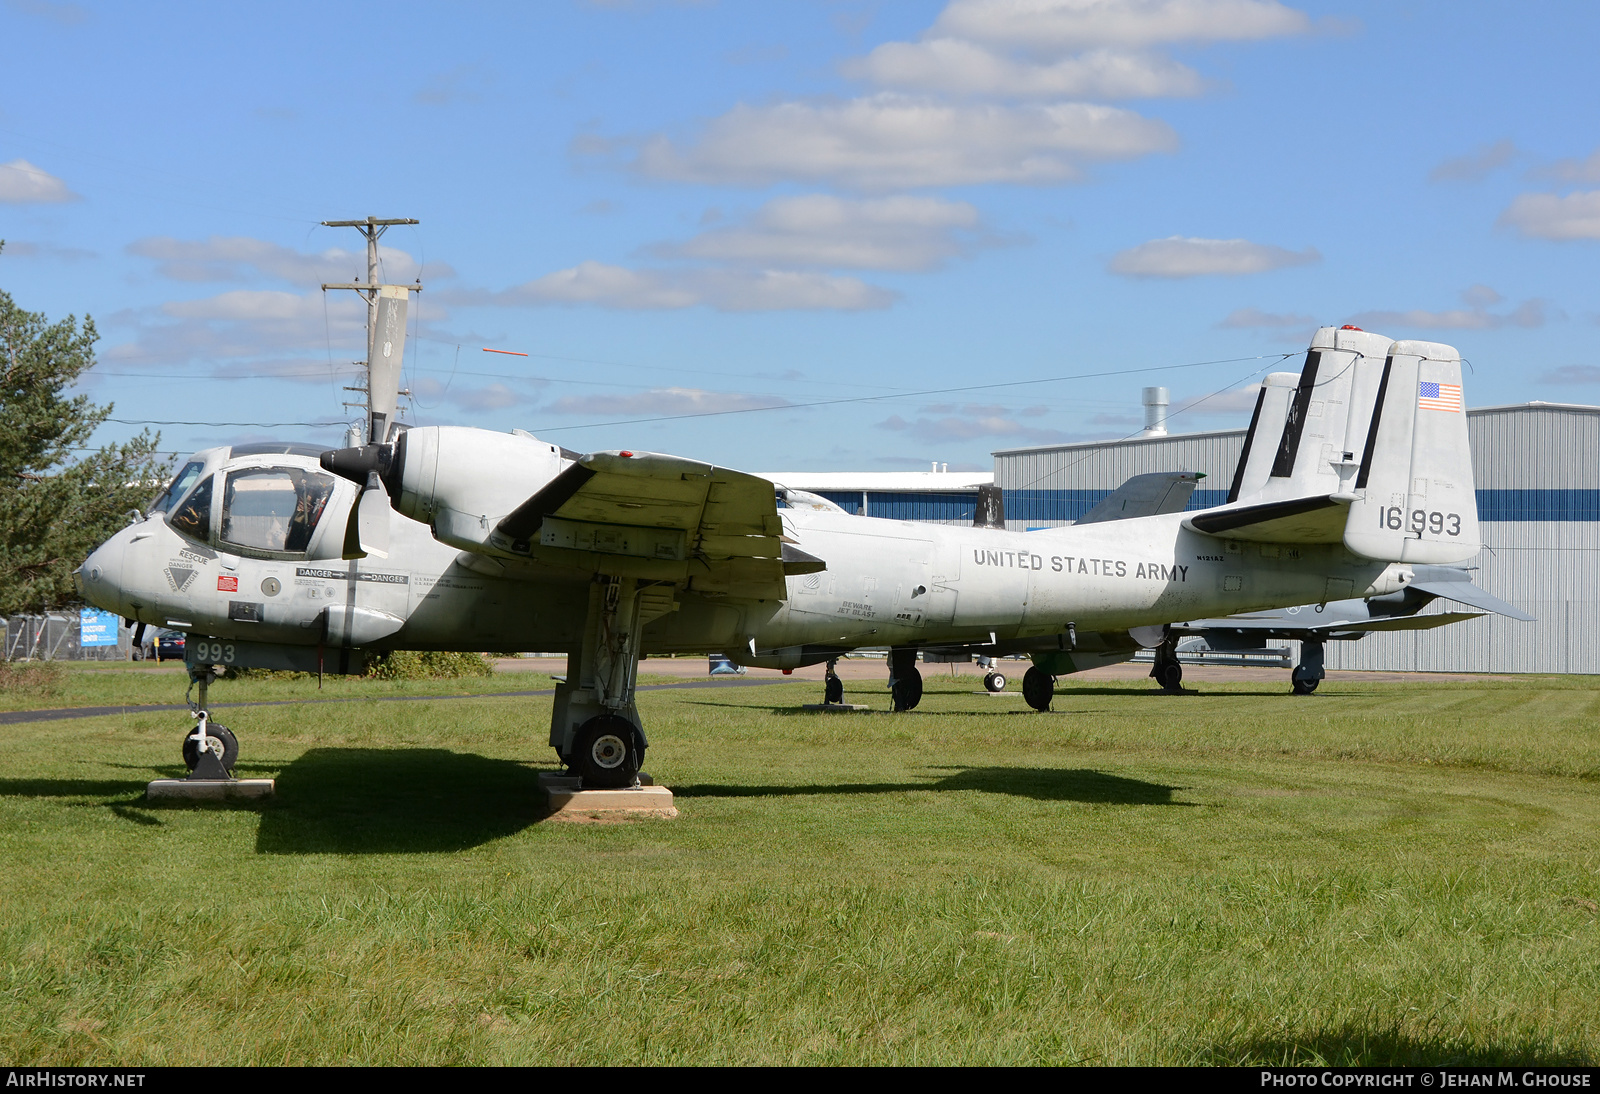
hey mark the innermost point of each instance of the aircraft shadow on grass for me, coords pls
(1039, 783)
(396, 801)
(432, 800)
(1352, 1045)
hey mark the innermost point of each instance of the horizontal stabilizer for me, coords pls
(1317, 519)
(1415, 622)
(1460, 588)
(1146, 496)
(1280, 624)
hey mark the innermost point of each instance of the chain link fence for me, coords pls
(58, 636)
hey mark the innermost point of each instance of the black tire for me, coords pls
(607, 752)
(1305, 687)
(1169, 674)
(994, 681)
(1038, 688)
(230, 746)
(907, 690)
(833, 689)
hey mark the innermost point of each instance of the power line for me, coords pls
(915, 394)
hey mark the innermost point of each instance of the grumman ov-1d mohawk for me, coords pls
(452, 538)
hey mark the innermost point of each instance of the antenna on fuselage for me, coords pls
(386, 328)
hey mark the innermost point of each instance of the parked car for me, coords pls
(167, 645)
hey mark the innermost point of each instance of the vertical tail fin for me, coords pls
(1325, 424)
(1414, 495)
(1265, 434)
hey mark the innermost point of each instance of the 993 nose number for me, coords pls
(1419, 521)
(213, 653)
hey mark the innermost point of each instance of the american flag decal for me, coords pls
(1432, 396)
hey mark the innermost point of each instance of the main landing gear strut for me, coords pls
(594, 726)
(1167, 671)
(1308, 673)
(905, 682)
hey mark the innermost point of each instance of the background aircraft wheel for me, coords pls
(995, 681)
(833, 689)
(907, 690)
(1305, 687)
(1169, 675)
(607, 752)
(1038, 688)
(230, 746)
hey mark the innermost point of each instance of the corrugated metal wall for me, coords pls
(1537, 470)
(1049, 487)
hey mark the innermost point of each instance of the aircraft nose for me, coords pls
(99, 579)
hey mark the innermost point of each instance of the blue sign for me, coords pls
(97, 628)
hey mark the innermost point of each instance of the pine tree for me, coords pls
(58, 498)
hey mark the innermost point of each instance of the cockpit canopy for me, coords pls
(265, 511)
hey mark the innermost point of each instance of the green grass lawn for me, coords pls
(1378, 874)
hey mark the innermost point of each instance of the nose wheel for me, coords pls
(211, 746)
(994, 681)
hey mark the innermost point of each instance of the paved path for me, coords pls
(14, 717)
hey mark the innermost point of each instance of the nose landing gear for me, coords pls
(210, 752)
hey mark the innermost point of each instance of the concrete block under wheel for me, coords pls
(834, 708)
(564, 794)
(210, 789)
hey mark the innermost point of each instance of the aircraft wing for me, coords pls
(659, 515)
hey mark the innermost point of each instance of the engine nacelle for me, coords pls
(460, 480)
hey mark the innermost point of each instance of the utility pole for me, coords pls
(383, 356)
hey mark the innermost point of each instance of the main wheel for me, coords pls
(1304, 686)
(1169, 674)
(1038, 688)
(995, 681)
(607, 752)
(907, 689)
(833, 689)
(219, 740)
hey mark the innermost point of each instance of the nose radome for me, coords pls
(100, 576)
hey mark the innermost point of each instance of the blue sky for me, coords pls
(683, 208)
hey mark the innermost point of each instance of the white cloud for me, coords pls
(1546, 216)
(21, 248)
(21, 183)
(1572, 374)
(972, 422)
(1244, 318)
(237, 258)
(1179, 256)
(958, 67)
(245, 325)
(1475, 316)
(464, 83)
(607, 286)
(1478, 165)
(664, 402)
(1085, 24)
(890, 140)
(65, 14)
(1584, 170)
(895, 233)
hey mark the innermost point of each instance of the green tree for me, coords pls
(59, 499)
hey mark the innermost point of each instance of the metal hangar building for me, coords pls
(1537, 471)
